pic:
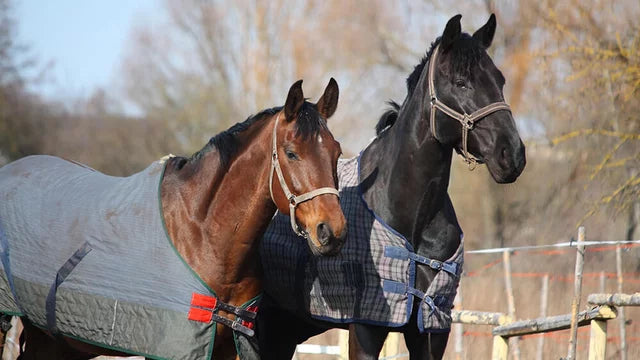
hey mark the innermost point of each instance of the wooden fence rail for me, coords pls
(597, 317)
(553, 323)
(614, 299)
(480, 317)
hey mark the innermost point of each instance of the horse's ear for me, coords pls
(451, 32)
(329, 100)
(485, 34)
(294, 102)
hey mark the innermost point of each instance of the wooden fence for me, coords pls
(603, 310)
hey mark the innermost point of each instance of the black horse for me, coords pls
(455, 101)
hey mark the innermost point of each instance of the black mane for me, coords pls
(466, 52)
(309, 123)
(388, 118)
(412, 80)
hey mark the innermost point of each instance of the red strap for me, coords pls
(202, 307)
(201, 315)
(253, 309)
(204, 301)
(248, 324)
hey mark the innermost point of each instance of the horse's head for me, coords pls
(466, 80)
(307, 154)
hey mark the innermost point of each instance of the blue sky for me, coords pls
(85, 40)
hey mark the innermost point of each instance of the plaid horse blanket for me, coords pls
(87, 255)
(371, 281)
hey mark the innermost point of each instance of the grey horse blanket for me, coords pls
(371, 281)
(87, 255)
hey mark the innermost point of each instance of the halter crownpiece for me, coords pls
(294, 200)
(467, 120)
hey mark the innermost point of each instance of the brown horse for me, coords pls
(213, 207)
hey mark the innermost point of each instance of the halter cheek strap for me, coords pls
(467, 121)
(294, 200)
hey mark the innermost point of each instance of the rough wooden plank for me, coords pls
(544, 300)
(621, 315)
(480, 317)
(553, 323)
(577, 292)
(598, 340)
(11, 349)
(615, 299)
(343, 343)
(506, 261)
(500, 349)
(391, 345)
(458, 330)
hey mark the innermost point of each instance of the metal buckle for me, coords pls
(436, 265)
(292, 200)
(302, 232)
(433, 101)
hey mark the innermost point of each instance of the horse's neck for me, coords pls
(215, 216)
(409, 171)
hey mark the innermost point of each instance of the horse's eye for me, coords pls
(461, 84)
(291, 155)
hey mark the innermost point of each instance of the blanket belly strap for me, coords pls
(402, 288)
(204, 308)
(397, 252)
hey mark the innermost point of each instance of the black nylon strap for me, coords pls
(62, 274)
(234, 325)
(244, 314)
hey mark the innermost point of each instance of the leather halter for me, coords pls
(294, 200)
(467, 121)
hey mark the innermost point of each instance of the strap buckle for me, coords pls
(436, 265)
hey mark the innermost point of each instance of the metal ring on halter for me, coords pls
(467, 121)
(294, 200)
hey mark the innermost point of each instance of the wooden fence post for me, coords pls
(506, 260)
(391, 345)
(458, 327)
(500, 348)
(577, 290)
(622, 320)
(343, 342)
(598, 339)
(11, 348)
(543, 312)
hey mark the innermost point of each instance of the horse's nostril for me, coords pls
(324, 233)
(504, 153)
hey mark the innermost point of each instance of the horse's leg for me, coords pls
(427, 346)
(40, 346)
(279, 331)
(366, 341)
